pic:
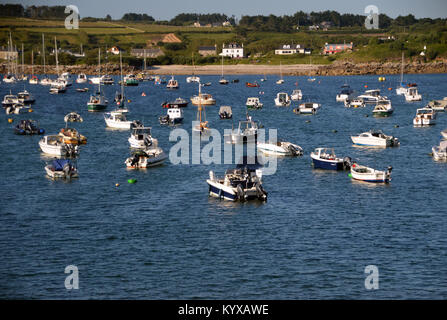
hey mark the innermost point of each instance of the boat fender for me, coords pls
(240, 192)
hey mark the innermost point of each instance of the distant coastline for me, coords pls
(335, 69)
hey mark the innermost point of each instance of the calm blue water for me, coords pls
(164, 238)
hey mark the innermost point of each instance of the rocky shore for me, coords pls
(335, 69)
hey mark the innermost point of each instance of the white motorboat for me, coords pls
(95, 80)
(18, 108)
(383, 108)
(10, 100)
(45, 81)
(253, 103)
(65, 79)
(33, 80)
(354, 103)
(282, 100)
(438, 105)
(240, 184)
(172, 84)
(225, 112)
(25, 97)
(9, 78)
(412, 94)
(365, 174)
(346, 93)
(62, 169)
(247, 132)
(73, 117)
(193, 79)
(141, 138)
(307, 108)
(371, 96)
(173, 116)
(106, 80)
(54, 145)
(118, 120)
(325, 158)
(296, 95)
(280, 148)
(57, 87)
(440, 152)
(424, 117)
(142, 159)
(375, 138)
(82, 78)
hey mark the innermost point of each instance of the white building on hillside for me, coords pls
(233, 50)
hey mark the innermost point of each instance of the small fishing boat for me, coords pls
(375, 138)
(118, 120)
(131, 80)
(362, 173)
(345, 93)
(9, 100)
(296, 95)
(72, 136)
(73, 117)
(252, 84)
(325, 158)
(33, 80)
(253, 103)
(201, 127)
(282, 100)
(141, 138)
(354, 103)
(25, 97)
(106, 80)
(177, 103)
(82, 78)
(9, 78)
(28, 127)
(57, 87)
(424, 117)
(82, 89)
(207, 84)
(412, 94)
(225, 112)
(193, 79)
(204, 99)
(173, 116)
(383, 108)
(65, 79)
(142, 159)
(440, 152)
(235, 81)
(247, 132)
(97, 103)
(240, 184)
(280, 148)
(54, 145)
(61, 168)
(18, 108)
(307, 108)
(172, 84)
(371, 96)
(438, 105)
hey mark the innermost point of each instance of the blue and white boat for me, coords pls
(239, 184)
(371, 96)
(325, 158)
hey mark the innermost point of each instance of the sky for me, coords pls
(165, 10)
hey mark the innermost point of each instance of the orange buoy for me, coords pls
(143, 94)
(390, 89)
(10, 120)
(366, 86)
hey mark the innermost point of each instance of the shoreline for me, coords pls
(338, 68)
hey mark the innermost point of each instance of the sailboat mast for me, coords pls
(23, 60)
(222, 66)
(402, 69)
(99, 63)
(43, 53)
(122, 82)
(57, 62)
(32, 62)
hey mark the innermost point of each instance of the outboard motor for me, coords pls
(389, 169)
(347, 163)
(240, 193)
(260, 192)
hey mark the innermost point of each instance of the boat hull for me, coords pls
(96, 107)
(327, 164)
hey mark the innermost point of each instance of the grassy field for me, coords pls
(259, 46)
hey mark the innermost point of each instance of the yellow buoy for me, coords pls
(117, 184)
(128, 100)
(10, 120)
(30, 110)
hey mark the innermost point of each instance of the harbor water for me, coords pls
(163, 237)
